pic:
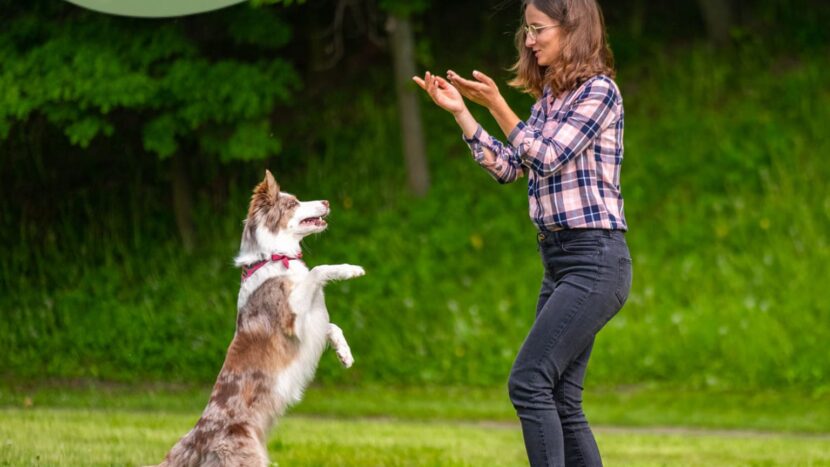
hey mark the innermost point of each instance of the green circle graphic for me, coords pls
(154, 8)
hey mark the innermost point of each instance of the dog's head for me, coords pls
(277, 221)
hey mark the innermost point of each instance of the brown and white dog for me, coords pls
(282, 327)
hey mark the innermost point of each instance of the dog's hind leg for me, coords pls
(339, 344)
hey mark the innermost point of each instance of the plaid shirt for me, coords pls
(571, 147)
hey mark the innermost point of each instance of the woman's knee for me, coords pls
(530, 388)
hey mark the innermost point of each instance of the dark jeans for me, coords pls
(587, 279)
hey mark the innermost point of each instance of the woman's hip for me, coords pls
(594, 261)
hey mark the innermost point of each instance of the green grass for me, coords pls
(108, 424)
(637, 406)
(122, 437)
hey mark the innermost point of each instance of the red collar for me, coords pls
(250, 269)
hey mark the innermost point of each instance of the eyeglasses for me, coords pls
(533, 31)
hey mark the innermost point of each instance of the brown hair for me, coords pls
(585, 51)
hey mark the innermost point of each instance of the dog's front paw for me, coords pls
(345, 356)
(339, 272)
(348, 271)
(345, 271)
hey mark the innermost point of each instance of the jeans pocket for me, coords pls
(623, 280)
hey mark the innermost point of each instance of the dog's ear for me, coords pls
(272, 186)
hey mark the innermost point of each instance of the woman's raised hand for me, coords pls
(444, 94)
(482, 91)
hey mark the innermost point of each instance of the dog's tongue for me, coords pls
(313, 220)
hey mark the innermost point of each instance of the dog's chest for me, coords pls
(311, 326)
(295, 273)
(312, 317)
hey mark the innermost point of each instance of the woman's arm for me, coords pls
(485, 92)
(489, 153)
(586, 115)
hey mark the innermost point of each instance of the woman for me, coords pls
(571, 150)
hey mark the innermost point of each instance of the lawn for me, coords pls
(104, 425)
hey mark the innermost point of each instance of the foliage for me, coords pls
(89, 73)
(725, 197)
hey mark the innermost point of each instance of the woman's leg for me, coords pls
(548, 285)
(582, 301)
(559, 335)
(540, 421)
(580, 445)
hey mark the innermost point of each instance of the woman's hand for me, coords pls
(444, 94)
(483, 91)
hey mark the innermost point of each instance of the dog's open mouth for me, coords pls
(318, 221)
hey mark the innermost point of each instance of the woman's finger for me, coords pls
(427, 84)
(472, 85)
(483, 78)
(461, 85)
(454, 78)
(442, 82)
(430, 79)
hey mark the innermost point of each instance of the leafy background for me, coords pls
(103, 119)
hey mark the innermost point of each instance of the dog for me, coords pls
(282, 328)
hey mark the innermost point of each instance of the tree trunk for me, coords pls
(403, 51)
(637, 19)
(717, 15)
(182, 202)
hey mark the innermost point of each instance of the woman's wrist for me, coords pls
(460, 113)
(504, 116)
(499, 107)
(467, 122)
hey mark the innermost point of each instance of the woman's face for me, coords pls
(546, 43)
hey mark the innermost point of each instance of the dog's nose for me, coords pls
(325, 203)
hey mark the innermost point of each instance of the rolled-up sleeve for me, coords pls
(506, 167)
